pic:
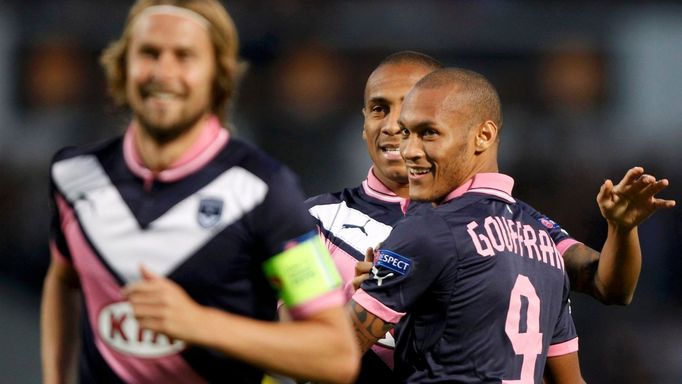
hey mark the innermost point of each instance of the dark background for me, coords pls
(588, 89)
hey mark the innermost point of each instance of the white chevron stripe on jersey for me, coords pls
(354, 227)
(168, 240)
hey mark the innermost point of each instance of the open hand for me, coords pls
(632, 200)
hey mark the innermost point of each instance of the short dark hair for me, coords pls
(411, 57)
(481, 93)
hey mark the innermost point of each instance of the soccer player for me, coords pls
(356, 218)
(476, 282)
(174, 239)
(464, 274)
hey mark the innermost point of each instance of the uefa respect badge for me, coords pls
(394, 262)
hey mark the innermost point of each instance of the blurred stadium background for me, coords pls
(589, 89)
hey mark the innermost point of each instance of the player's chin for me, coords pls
(419, 194)
(399, 176)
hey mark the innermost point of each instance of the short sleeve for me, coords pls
(411, 259)
(298, 265)
(282, 216)
(561, 238)
(60, 214)
(565, 338)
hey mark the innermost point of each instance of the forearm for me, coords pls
(563, 369)
(320, 349)
(60, 310)
(368, 327)
(619, 266)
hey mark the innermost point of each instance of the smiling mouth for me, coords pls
(160, 95)
(391, 152)
(417, 171)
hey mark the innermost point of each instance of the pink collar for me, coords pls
(212, 139)
(378, 190)
(496, 184)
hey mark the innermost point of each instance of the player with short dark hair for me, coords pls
(179, 238)
(356, 218)
(476, 282)
(463, 275)
(352, 220)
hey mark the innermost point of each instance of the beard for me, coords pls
(164, 133)
(164, 124)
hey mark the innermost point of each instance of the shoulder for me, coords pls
(254, 160)
(423, 228)
(94, 149)
(552, 226)
(347, 195)
(77, 162)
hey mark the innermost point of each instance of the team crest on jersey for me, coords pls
(210, 211)
(548, 223)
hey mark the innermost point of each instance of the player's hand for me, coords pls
(362, 269)
(161, 305)
(631, 201)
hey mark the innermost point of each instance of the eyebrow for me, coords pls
(420, 125)
(378, 99)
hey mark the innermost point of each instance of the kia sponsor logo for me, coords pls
(120, 330)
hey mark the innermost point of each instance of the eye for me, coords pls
(184, 54)
(149, 52)
(404, 132)
(429, 132)
(378, 110)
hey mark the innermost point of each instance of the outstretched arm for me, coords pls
(611, 277)
(319, 348)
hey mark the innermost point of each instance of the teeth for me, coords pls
(162, 95)
(392, 150)
(418, 171)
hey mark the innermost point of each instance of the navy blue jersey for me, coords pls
(355, 219)
(478, 286)
(208, 223)
(349, 222)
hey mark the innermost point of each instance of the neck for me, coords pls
(487, 164)
(160, 155)
(400, 189)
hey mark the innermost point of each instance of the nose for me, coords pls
(391, 127)
(166, 66)
(410, 147)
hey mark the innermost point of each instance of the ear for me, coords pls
(364, 133)
(486, 136)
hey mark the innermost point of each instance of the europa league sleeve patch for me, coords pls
(303, 271)
(394, 262)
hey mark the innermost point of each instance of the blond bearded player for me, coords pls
(167, 238)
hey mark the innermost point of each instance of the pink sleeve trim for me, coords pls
(564, 348)
(377, 308)
(56, 255)
(335, 298)
(566, 244)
